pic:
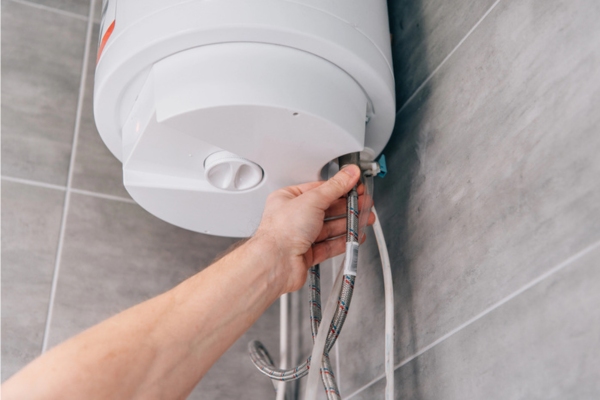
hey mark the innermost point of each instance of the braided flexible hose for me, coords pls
(352, 217)
(259, 354)
(327, 375)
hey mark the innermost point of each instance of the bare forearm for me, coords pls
(227, 298)
(164, 345)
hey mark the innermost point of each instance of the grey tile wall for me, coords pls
(494, 180)
(543, 344)
(114, 253)
(30, 226)
(424, 33)
(42, 53)
(78, 7)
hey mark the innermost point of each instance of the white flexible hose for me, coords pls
(283, 341)
(388, 286)
(319, 345)
(316, 359)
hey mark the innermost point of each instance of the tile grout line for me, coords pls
(103, 196)
(33, 183)
(441, 64)
(63, 223)
(72, 190)
(488, 310)
(51, 9)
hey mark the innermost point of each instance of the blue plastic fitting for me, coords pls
(382, 166)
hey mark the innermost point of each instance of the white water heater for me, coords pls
(212, 104)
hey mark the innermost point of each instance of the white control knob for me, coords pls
(228, 171)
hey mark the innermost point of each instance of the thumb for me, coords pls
(335, 187)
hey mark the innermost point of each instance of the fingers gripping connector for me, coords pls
(259, 354)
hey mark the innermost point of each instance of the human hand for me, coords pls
(294, 224)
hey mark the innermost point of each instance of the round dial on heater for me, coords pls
(229, 171)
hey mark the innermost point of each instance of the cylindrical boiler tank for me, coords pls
(212, 105)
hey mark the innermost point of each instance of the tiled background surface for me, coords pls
(491, 208)
(113, 253)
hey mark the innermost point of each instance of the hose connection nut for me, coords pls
(374, 168)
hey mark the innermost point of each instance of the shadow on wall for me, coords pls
(403, 155)
(409, 52)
